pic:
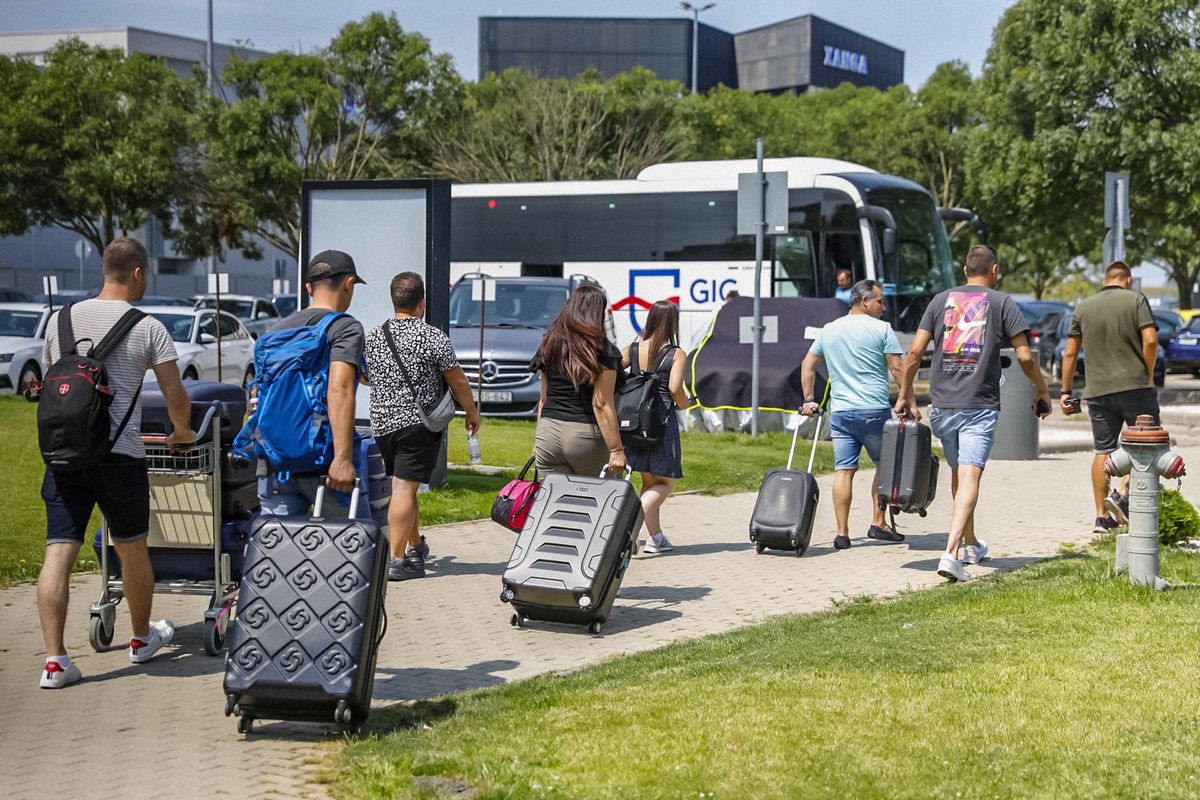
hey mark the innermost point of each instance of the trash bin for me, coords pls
(1017, 427)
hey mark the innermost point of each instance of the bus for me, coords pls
(671, 233)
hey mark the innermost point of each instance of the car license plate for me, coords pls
(497, 397)
(1188, 342)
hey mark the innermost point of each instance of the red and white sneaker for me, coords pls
(161, 634)
(56, 676)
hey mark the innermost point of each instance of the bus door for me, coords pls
(795, 272)
(839, 250)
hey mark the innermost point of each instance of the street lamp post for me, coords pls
(686, 6)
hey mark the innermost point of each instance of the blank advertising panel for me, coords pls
(387, 227)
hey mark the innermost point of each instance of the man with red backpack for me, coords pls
(97, 354)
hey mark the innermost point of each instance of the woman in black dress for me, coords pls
(659, 463)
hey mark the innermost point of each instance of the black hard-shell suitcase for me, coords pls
(908, 470)
(310, 616)
(239, 502)
(571, 556)
(157, 420)
(787, 501)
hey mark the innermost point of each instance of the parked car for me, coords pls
(1035, 312)
(1165, 322)
(258, 314)
(194, 332)
(1184, 350)
(15, 296)
(285, 304)
(22, 334)
(1050, 330)
(514, 324)
(159, 300)
(66, 296)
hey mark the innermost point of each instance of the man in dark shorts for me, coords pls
(1122, 347)
(331, 279)
(409, 449)
(119, 484)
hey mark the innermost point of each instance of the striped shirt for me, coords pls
(146, 346)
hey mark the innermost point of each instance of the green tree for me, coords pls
(370, 105)
(96, 142)
(517, 127)
(1072, 89)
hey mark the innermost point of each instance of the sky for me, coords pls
(928, 31)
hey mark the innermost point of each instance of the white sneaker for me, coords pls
(974, 553)
(658, 543)
(951, 568)
(55, 676)
(161, 634)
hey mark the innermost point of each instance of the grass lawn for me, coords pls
(713, 463)
(1054, 681)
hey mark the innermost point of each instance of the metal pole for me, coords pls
(695, 46)
(1119, 228)
(212, 267)
(217, 318)
(482, 318)
(759, 236)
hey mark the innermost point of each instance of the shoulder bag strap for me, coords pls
(124, 325)
(66, 333)
(667, 349)
(387, 333)
(635, 363)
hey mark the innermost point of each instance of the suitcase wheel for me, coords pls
(517, 620)
(921, 513)
(231, 705)
(245, 724)
(801, 550)
(595, 626)
(759, 547)
(214, 638)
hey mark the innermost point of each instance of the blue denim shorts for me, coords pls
(967, 434)
(853, 430)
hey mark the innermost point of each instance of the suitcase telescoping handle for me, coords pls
(627, 475)
(354, 496)
(812, 455)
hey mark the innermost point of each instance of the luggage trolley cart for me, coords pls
(185, 531)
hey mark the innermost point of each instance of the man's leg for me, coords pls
(969, 529)
(1100, 483)
(53, 593)
(879, 512)
(403, 528)
(137, 580)
(965, 484)
(843, 494)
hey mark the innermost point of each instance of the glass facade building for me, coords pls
(794, 55)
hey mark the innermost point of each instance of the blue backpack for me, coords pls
(290, 428)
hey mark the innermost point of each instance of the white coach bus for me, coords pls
(671, 234)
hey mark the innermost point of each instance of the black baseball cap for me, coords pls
(330, 263)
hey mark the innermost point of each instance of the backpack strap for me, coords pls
(667, 349)
(635, 364)
(125, 324)
(66, 333)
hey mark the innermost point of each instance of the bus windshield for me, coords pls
(518, 304)
(921, 265)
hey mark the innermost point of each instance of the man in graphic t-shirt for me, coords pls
(968, 326)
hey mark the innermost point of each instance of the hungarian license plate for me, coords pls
(497, 397)
(1188, 341)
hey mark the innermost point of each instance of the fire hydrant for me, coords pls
(1145, 456)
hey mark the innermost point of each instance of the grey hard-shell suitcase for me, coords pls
(310, 616)
(787, 501)
(571, 555)
(908, 469)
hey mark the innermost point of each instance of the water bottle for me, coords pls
(474, 451)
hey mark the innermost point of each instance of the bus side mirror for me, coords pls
(889, 240)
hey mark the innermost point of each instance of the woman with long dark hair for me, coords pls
(660, 463)
(577, 428)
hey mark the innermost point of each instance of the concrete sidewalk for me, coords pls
(448, 632)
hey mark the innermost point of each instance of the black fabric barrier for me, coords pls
(719, 369)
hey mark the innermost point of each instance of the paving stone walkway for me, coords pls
(164, 722)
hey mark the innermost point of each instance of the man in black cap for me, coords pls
(330, 282)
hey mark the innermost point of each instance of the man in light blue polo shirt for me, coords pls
(860, 350)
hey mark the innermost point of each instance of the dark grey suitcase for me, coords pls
(571, 556)
(908, 470)
(310, 616)
(787, 500)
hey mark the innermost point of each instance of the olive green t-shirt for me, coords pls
(1111, 323)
